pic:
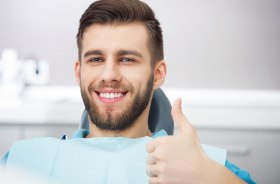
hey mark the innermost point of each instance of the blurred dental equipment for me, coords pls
(16, 74)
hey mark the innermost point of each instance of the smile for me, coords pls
(111, 95)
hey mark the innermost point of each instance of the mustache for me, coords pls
(113, 85)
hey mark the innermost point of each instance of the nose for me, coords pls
(110, 72)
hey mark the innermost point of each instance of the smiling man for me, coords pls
(120, 66)
(116, 76)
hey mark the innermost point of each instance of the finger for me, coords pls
(153, 180)
(179, 118)
(156, 143)
(151, 146)
(151, 160)
(152, 171)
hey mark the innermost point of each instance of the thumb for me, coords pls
(179, 118)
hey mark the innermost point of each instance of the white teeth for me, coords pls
(107, 95)
(110, 95)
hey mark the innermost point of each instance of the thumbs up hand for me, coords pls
(181, 159)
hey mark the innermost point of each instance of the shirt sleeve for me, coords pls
(244, 175)
(4, 159)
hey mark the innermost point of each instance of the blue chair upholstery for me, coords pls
(159, 115)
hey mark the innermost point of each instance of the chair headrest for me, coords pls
(159, 115)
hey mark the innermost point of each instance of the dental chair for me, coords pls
(159, 115)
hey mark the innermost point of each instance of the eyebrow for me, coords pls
(119, 53)
(93, 52)
(129, 52)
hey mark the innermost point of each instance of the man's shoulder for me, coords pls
(35, 143)
(31, 147)
(37, 140)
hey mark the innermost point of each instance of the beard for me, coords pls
(125, 119)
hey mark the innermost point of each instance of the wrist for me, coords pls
(219, 174)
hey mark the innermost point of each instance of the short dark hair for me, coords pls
(124, 11)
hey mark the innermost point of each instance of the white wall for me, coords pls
(208, 44)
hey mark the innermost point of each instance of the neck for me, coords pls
(138, 129)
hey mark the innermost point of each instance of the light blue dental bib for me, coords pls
(104, 160)
(80, 160)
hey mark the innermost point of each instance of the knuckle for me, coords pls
(153, 160)
(161, 141)
(162, 168)
(153, 180)
(159, 157)
(156, 156)
(160, 180)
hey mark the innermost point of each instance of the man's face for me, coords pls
(115, 73)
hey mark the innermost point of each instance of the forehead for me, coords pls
(110, 37)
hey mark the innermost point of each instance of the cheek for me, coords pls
(132, 75)
(138, 79)
(88, 75)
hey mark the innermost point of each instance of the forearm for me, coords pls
(219, 174)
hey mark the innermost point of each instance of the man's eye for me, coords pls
(96, 60)
(127, 60)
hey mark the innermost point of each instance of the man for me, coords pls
(120, 65)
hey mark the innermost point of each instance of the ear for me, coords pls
(159, 73)
(77, 69)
